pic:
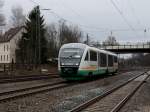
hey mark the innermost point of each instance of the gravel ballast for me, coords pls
(65, 98)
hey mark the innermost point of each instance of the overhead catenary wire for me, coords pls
(102, 29)
(134, 14)
(81, 25)
(85, 26)
(122, 15)
(33, 2)
(60, 17)
(77, 14)
(70, 8)
(136, 17)
(96, 28)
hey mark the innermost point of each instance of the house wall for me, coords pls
(8, 49)
(5, 52)
(14, 45)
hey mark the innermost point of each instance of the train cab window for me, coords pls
(87, 56)
(93, 56)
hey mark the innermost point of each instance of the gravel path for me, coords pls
(63, 99)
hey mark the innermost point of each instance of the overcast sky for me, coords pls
(126, 18)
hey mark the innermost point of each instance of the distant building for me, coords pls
(8, 45)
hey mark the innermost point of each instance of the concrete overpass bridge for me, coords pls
(126, 48)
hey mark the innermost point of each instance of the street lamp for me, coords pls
(39, 35)
(45, 9)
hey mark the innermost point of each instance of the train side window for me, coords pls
(103, 60)
(93, 56)
(99, 59)
(115, 59)
(87, 56)
(110, 60)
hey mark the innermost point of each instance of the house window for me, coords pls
(7, 57)
(4, 47)
(7, 47)
(4, 57)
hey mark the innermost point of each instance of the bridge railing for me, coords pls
(136, 46)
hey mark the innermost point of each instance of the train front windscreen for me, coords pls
(71, 56)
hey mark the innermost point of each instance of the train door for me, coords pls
(115, 63)
(99, 61)
(86, 60)
(103, 62)
(110, 63)
(93, 61)
(107, 62)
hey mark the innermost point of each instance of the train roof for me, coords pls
(74, 45)
(83, 46)
(103, 51)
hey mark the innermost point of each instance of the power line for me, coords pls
(81, 25)
(119, 30)
(76, 13)
(34, 2)
(122, 15)
(96, 28)
(58, 16)
(61, 1)
(134, 14)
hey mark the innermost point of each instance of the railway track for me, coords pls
(32, 90)
(27, 78)
(114, 99)
(24, 91)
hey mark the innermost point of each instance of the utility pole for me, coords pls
(145, 33)
(111, 33)
(39, 36)
(87, 39)
(36, 38)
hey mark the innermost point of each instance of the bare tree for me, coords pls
(68, 34)
(2, 17)
(111, 40)
(60, 34)
(51, 34)
(17, 18)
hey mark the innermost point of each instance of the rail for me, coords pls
(99, 97)
(32, 90)
(27, 78)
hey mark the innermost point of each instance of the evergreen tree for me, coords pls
(33, 44)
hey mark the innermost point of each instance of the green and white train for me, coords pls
(77, 61)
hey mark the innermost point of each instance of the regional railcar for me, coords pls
(78, 61)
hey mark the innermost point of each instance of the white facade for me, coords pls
(5, 52)
(8, 49)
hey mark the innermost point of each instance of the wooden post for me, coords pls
(4, 67)
(12, 65)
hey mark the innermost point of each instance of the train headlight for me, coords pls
(77, 64)
(62, 64)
